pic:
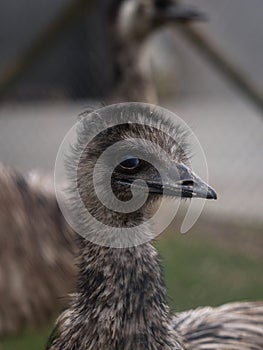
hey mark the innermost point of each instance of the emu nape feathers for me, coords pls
(120, 302)
(36, 252)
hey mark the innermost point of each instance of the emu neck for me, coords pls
(123, 295)
(133, 81)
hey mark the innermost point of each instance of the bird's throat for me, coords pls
(122, 296)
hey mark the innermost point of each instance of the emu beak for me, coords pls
(182, 182)
(178, 181)
(189, 185)
(170, 10)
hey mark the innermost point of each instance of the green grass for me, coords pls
(197, 272)
(34, 340)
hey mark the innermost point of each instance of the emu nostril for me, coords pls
(189, 183)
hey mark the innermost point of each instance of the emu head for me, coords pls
(129, 157)
(136, 19)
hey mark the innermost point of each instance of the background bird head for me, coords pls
(136, 19)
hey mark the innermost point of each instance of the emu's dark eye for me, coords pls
(130, 163)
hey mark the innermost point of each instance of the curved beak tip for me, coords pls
(211, 193)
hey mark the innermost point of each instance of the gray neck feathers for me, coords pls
(120, 302)
(122, 298)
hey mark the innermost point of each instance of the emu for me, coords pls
(120, 302)
(36, 251)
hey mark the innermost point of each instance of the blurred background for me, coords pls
(56, 59)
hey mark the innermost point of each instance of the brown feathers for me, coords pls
(235, 326)
(36, 252)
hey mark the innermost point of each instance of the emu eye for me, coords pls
(130, 163)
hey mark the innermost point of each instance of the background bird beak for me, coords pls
(169, 10)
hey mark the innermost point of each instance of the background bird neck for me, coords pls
(123, 295)
(132, 77)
